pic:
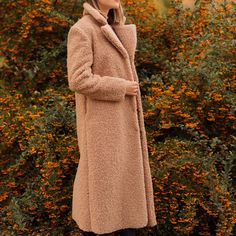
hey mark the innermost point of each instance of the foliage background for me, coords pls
(185, 61)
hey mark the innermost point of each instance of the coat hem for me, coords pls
(114, 229)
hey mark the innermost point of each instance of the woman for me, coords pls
(113, 188)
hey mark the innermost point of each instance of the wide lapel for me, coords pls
(112, 37)
(122, 33)
(128, 37)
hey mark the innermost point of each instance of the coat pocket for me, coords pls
(85, 105)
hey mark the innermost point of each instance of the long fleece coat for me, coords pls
(113, 187)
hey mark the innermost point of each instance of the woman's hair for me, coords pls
(115, 16)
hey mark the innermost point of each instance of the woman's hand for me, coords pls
(132, 88)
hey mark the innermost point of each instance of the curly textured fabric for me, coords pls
(81, 78)
(113, 187)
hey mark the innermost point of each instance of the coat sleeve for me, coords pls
(79, 71)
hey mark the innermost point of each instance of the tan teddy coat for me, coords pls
(113, 187)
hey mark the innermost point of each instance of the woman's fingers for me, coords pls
(132, 88)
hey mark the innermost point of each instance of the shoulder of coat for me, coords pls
(85, 23)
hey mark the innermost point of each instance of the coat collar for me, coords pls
(123, 37)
